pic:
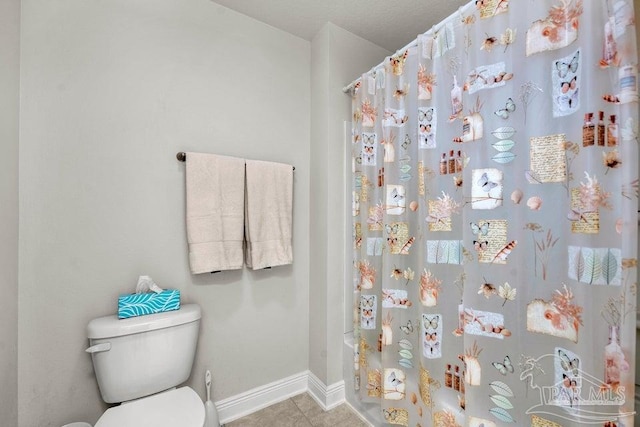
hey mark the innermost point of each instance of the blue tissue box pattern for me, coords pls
(142, 304)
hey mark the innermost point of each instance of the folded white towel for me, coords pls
(269, 201)
(215, 212)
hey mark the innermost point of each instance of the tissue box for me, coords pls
(141, 304)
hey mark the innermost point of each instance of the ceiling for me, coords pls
(390, 24)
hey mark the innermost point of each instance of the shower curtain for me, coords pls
(495, 196)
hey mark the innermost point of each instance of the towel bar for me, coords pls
(182, 156)
(220, 271)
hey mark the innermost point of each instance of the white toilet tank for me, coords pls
(140, 356)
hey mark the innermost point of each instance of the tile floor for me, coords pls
(300, 411)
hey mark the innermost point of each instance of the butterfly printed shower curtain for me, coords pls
(495, 186)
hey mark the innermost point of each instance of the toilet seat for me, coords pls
(181, 407)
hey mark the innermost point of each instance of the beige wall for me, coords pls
(9, 88)
(318, 209)
(338, 57)
(110, 92)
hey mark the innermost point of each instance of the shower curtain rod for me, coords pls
(182, 157)
(411, 44)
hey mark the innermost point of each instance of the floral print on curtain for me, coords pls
(494, 219)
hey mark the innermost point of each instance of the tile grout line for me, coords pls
(300, 410)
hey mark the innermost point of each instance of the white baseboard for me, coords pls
(246, 403)
(251, 401)
(328, 397)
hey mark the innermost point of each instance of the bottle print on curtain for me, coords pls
(494, 219)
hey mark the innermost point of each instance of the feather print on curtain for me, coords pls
(494, 219)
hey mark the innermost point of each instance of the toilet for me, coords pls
(139, 363)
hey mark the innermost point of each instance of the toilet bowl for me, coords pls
(179, 407)
(140, 361)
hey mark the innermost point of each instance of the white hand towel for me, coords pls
(269, 211)
(215, 212)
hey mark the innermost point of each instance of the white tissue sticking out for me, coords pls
(146, 284)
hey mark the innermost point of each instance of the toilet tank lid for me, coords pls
(111, 326)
